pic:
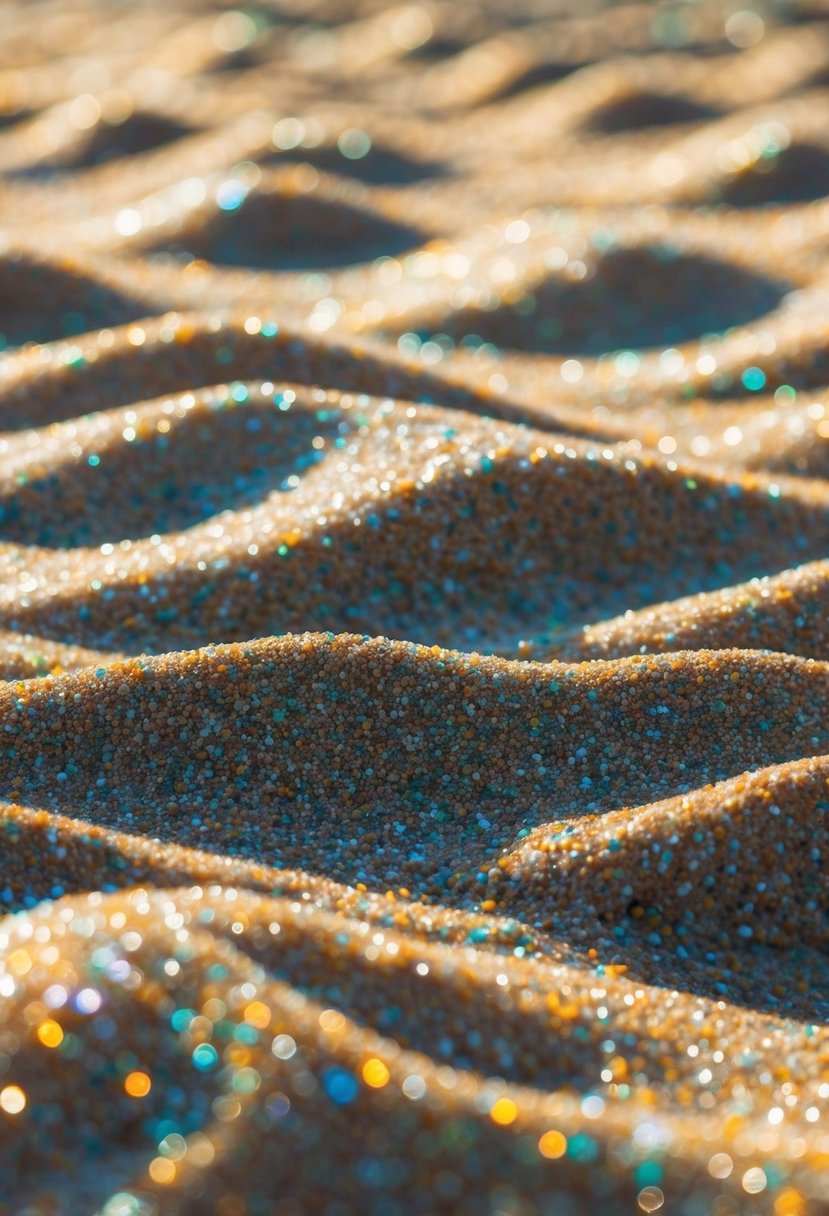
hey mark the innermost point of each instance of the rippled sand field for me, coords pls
(414, 608)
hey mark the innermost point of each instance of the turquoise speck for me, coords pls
(754, 378)
(205, 1057)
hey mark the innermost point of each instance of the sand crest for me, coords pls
(414, 652)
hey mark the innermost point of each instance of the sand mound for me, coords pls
(414, 685)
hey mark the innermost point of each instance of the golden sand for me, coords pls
(414, 612)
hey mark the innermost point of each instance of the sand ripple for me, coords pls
(414, 660)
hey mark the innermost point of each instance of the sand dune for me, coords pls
(414, 671)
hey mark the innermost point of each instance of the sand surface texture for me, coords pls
(414, 608)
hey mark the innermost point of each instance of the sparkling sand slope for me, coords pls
(414, 608)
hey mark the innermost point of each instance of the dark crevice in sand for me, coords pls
(122, 375)
(632, 298)
(535, 77)
(108, 142)
(380, 166)
(797, 174)
(636, 111)
(42, 301)
(135, 489)
(10, 118)
(292, 232)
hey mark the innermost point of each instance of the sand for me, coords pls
(414, 608)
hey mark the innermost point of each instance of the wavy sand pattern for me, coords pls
(414, 612)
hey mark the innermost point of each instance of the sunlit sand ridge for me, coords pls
(414, 658)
